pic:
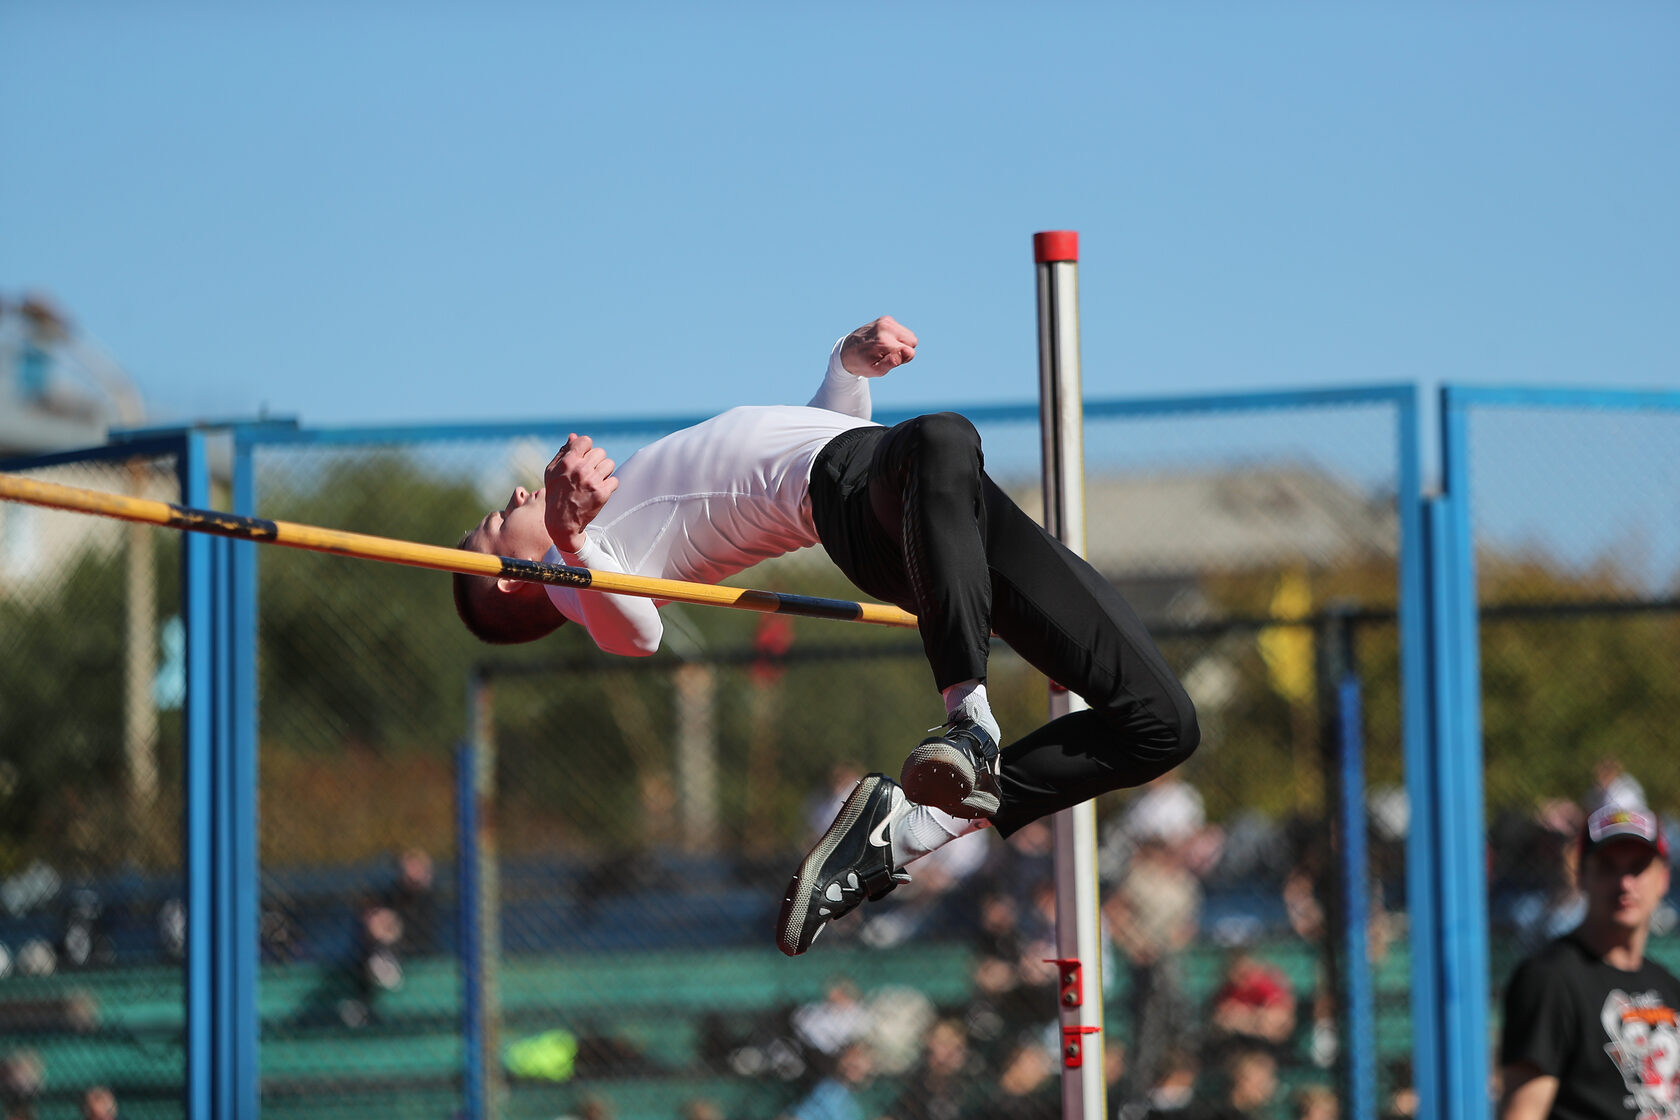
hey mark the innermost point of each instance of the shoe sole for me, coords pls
(796, 904)
(942, 776)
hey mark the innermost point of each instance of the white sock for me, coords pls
(968, 699)
(920, 829)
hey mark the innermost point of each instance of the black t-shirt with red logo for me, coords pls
(1611, 1038)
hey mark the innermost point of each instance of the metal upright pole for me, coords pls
(469, 944)
(1078, 948)
(486, 907)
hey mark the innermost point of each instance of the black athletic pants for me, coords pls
(909, 515)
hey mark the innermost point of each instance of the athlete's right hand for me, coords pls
(577, 483)
(875, 348)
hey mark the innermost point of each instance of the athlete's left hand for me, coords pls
(875, 348)
(576, 484)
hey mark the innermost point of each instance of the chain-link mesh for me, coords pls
(647, 814)
(92, 923)
(1578, 569)
(1219, 527)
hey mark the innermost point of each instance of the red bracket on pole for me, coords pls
(1072, 992)
(1073, 1045)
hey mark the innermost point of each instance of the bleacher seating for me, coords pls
(655, 1008)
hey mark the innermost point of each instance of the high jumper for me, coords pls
(909, 515)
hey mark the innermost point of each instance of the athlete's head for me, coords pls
(507, 611)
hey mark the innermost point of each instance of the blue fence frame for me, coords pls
(220, 605)
(1460, 1052)
(220, 967)
(1412, 621)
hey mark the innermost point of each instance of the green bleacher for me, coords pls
(406, 1062)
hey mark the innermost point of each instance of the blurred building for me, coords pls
(58, 392)
(1157, 536)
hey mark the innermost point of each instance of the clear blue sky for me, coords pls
(410, 211)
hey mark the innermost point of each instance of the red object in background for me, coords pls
(771, 643)
(1255, 984)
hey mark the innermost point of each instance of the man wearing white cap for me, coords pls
(1591, 1027)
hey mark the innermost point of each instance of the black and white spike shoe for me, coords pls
(852, 862)
(955, 769)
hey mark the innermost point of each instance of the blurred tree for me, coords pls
(353, 651)
(61, 719)
(363, 669)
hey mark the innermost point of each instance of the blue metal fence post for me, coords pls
(1354, 958)
(198, 717)
(218, 614)
(1462, 878)
(242, 794)
(222, 923)
(1417, 642)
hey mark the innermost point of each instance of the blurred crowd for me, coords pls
(1257, 1039)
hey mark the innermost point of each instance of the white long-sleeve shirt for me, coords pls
(706, 502)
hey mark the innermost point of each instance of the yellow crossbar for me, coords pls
(53, 495)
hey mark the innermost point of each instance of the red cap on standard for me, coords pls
(1056, 245)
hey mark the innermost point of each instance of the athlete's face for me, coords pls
(1624, 881)
(516, 529)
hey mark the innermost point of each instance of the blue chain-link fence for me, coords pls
(642, 816)
(1573, 544)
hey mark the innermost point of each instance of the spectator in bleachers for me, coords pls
(390, 923)
(945, 1083)
(830, 1024)
(172, 928)
(900, 1018)
(1114, 1070)
(990, 1016)
(1152, 916)
(592, 1107)
(1402, 1103)
(22, 1077)
(1169, 811)
(1027, 1086)
(99, 1103)
(1170, 1095)
(1314, 1102)
(1304, 885)
(278, 933)
(1251, 1085)
(1254, 1006)
(1036, 961)
(835, 1097)
(1016, 867)
(1553, 904)
(1013, 984)
(378, 930)
(998, 928)
(413, 900)
(1323, 1035)
(83, 940)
